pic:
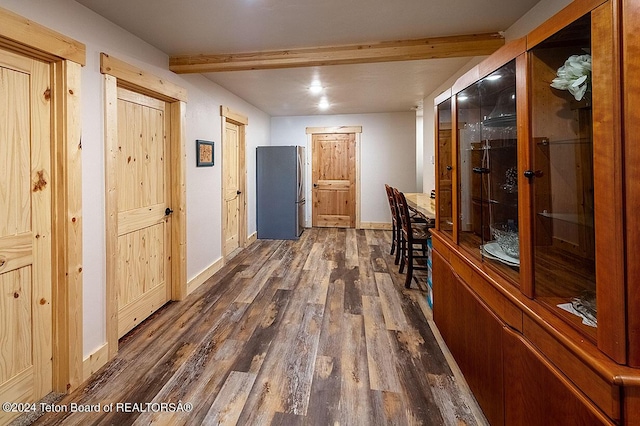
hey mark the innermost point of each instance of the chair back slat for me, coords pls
(392, 203)
(403, 213)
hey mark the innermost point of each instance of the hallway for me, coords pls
(318, 331)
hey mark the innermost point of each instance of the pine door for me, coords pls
(334, 180)
(232, 190)
(144, 211)
(25, 231)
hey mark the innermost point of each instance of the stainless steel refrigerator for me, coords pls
(280, 185)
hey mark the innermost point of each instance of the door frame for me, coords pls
(66, 57)
(121, 74)
(230, 116)
(357, 130)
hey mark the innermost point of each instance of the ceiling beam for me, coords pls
(405, 50)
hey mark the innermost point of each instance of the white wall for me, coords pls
(387, 154)
(204, 196)
(529, 21)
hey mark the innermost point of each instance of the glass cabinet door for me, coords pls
(487, 172)
(445, 167)
(563, 184)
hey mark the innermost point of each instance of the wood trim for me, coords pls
(608, 188)
(385, 226)
(436, 145)
(502, 56)
(403, 50)
(67, 225)
(203, 276)
(117, 73)
(358, 182)
(95, 361)
(466, 80)
(111, 209)
(573, 11)
(631, 99)
(442, 97)
(252, 238)
(455, 178)
(141, 81)
(335, 129)
(524, 162)
(243, 184)
(178, 112)
(38, 41)
(233, 116)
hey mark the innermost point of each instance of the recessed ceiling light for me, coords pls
(316, 88)
(323, 104)
(494, 77)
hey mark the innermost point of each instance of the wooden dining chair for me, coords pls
(395, 223)
(413, 240)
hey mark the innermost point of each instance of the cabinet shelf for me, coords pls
(490, 148)
(576, 141)
(570, 218)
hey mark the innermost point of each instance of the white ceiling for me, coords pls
(180, 27)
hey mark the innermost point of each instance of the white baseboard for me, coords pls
(95, 361)
(203, 276)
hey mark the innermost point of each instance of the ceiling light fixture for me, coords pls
(323, 104)
(316, 88)
(494, 77)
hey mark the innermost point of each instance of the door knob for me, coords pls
(449, 168)
(315, 185)
(238, 192)
(168, 211)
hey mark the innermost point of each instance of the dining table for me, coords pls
(420, 203)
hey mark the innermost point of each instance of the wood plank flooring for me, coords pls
(318, 331)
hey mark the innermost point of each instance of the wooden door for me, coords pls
(25, 231)
(144, 235)
(334, 180)
(232, 188)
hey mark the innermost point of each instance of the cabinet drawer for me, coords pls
(601, 391)
(536, 393)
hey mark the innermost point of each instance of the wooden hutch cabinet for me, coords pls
(536, 283)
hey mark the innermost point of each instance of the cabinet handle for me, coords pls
(449, 168)
(481, 170)
(530, 174)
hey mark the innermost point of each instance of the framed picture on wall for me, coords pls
(204, 153)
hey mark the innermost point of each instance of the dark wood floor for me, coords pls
(318, 331)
